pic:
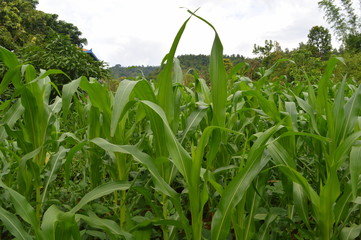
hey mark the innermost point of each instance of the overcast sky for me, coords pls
(140, 32)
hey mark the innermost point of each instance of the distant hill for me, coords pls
(118, 71)
(199, 62)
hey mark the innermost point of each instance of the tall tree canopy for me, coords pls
(344, 21)
(21, 23)
(45, 41)
(319, 39)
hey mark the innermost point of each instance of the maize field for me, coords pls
(233, 159)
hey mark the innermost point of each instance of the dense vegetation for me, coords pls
(265, 148)
(45, 42)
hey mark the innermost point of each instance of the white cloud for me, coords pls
(140, 32)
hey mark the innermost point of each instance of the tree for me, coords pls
(269, 53)
(21, 23)
(319, 39)
(344, 21)
(44, 41)
(58, 52)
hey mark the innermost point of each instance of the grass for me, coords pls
(238, 159)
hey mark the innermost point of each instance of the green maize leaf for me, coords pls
(237, 188)
(69, 158)
(48, 224)
(122, 102)
(261, 82)
(159, 134)
(263, 232)
(310, 111)
(49, 72)
(177, 72)
(355, 168)
(100, 191)
(13, 225)
(292, 111)
(280, 155)
(29, 73)
(252, 201)
(193, 121)
(297, 177)
(269, 107)
(204, 95)
(68, 91)
(180, 156)
(57, 225)
(35, 115)
(147, 161)
(141, 157)
(108, 226)
(339, 112)
(12, 115)
(23, 207)
(55, 107)
(350, 233)
(55, 163)
(144, 91)
(177, 80)
(145, 222)
(352, 111)
(343, 204)
(198, 196)
(12, 75)
(124, 90)
(165, 97)
(237, 68)
(300, 202)
(25, 176)
(328, 195)
(342, 151)
(8, 58)
(199, 153)
(322, 94)
(98, 94)
(314, 136)
(94, 130)
(218, 78)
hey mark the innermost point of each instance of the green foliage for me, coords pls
(21, 23)
(239, 158)
(41, 39)
(344, 21)
(320, 39)
(120, 72)
(57, 52)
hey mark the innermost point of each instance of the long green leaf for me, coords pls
(68, 91)
(147, 161)
(236, 189)
(13, 225)
(180, 156)
(350, 233)
(355, 168)
(100, 191)
(165, 96)
(55, 163)
(124, 90)
(22, 206)
(8, 58)
(218, 78)
(105, 225)
(193, 121)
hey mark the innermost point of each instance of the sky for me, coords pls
(141, 32)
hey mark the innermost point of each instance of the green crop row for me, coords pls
(239, 159)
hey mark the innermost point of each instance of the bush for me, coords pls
(59, 53)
